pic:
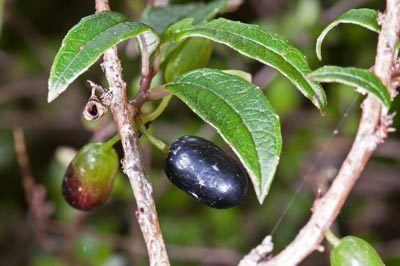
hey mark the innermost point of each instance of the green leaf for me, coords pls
(364, 17)
(252, 41)
(160, 18)
(363, 80)
(241, 114)
(182, 60)
(87, 41)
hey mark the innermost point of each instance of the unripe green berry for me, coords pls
(90, 176)
(353, 251)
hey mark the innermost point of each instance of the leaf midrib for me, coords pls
(255, 42)
(377, 89)
(66, 69)
(79, 53)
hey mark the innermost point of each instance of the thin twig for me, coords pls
(373, 128)
(157, 93)
(147, 96)
(258, 253)
(133, 166)
(147, 74)
(35, 195)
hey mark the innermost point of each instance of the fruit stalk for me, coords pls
(332, 239)
(132, 163)
(158, 111)
(112, 141)
(153, 140)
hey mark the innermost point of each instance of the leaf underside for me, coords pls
(361, 79)
(182, 59)
(87, 41)
(252, 41)
(364, 17)
(160, 18)
(241, 114)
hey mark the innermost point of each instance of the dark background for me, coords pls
(196, 235)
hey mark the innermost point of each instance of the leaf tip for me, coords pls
(261, 196)
(50, 97)
(54, 92)
(322, 110)
(50, 94)
(319, 99)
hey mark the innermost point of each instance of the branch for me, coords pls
(132, 163)
(66, 232)
(373, 128)
(258, 253)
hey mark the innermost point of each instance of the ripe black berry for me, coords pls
(206, 172)
(89, 178)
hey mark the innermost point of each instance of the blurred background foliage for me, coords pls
(313, 149)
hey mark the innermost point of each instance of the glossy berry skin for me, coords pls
(353, 251)
(90, 176)
(206, 172)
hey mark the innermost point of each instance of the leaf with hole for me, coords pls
(87, 41)
(361, 79)
(160, 18)
(241, 114)
(252, 41)
(363, 17)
